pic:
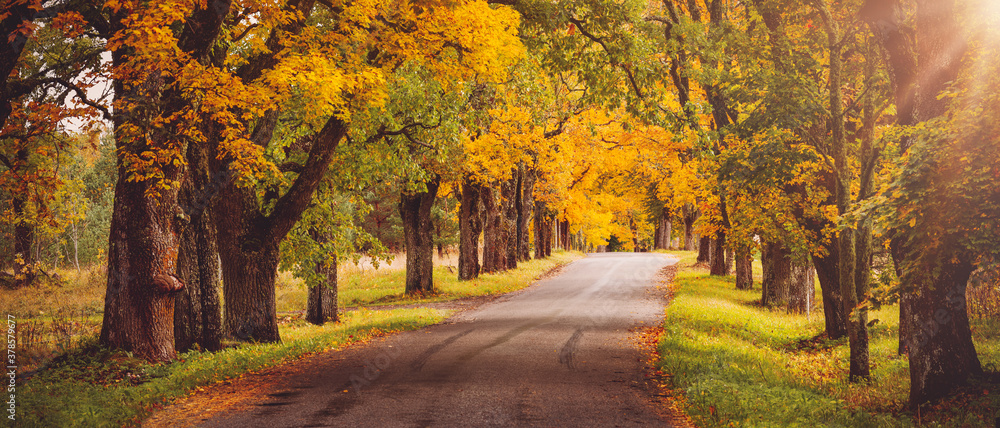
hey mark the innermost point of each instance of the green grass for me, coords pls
(368, 287)
(93, 387)
(738, 364)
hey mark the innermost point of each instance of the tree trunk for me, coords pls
(549, 222)
(24, 236)
(719, 267)
(564, 235)
(860, 366)
(470, 225)
(249, 256)
(197, 310)
(941, 352)
(526, 210)
(147, 222)
(508, 202)
(829, 283)
(249, 239)
(777, 268)
(801, 286)
(690, 216)
(540, 225)
(744, 268)
(494, 246)
(415, 210)
(321, 303)
(704, 249)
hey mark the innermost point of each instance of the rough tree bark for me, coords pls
(777, 269)
(829, 282)
(470, 225)
(744, 268)
(197, 309)
(801, 286)
(934, 325)
(718, 258)
(508, 203)
(690, 216)
(321, 303)
(144, 239)
(415, 210)
(249, 239)
(704, 249)
(494, 246)
(549, 222)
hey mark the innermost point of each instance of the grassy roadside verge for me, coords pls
(738, 364)
(384, 287)
(92, 387)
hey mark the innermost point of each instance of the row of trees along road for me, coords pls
(844, 140)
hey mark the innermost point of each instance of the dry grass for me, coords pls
(55, 315)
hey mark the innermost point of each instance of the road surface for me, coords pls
(557, 354)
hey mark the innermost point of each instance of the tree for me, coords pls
(933, 222)
(415, 209)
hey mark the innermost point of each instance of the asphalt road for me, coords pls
(557, 354)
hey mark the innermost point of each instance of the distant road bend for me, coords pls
(556, 354)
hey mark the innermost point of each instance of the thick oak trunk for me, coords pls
(142, 257)
(249, 256)
(415, 210)
(197, 309)
(941, 352)
(549, 220)
(470, 225)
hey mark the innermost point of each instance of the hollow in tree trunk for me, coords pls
(415, 210)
